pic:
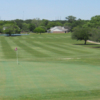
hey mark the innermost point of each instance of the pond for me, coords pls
(13, 34)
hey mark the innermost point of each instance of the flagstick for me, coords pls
(17, 56)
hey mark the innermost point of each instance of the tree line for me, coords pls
(81, 29)
(36, 25)
(88, 31)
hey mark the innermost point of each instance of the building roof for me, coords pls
(59, 28)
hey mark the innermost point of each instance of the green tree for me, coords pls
(39, 30)
(43, 27)
(58, 24)
(28, 21)
(25, 27)
(19, 22)
(81, 34)
(37, 22)
(95, 34)
(68, 26)
(11, 29)
(72, 22)
(93, 23)
(1, 29)
(70, 19)
(1, 23)
(50, 24)
(44, 22)
(31, 27)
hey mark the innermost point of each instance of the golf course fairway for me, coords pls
(50, 67)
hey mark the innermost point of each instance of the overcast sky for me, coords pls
(48, 9)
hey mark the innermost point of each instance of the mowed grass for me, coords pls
(51, 67)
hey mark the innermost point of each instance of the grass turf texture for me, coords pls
(51, 67)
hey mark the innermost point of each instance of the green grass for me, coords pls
(51, 67)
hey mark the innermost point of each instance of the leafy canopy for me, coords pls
(81, 34)
(11, 29)
(39, 30)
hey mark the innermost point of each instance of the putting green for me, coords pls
(42, 78)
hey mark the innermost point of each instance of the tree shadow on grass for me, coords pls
(96, 47)
(90, 45)
(86, 44)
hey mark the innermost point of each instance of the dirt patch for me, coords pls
(93, 42)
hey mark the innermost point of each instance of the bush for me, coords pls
(39, 30)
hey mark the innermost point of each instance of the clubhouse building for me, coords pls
(57, 29)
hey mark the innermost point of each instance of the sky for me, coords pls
(48, 9)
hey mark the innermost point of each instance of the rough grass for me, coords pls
(51, 67)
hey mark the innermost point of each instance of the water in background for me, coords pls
(13, 34)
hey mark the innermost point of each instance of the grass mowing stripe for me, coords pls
(69, 49)
(79, 47)
(76, 95)
(1, 54)
(42, 47)
(33, 79)
(25, 75)
(80, 51)
(86, 79)
(51, 48)
(47, 47)
(66, 78)
(51, 79)
(60, 73)
(87, 51)
(38, 48)
(9, 79)
(7, 50)
(29, 49)
(2, 79)
(21, 52)
(16, 70)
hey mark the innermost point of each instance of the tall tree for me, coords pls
(11, 29)
(25, 27)
(50, 24)
(37, 22)
(70, 19)
(81, 34)
(31, 27)
(1, 29)
(19, 22)
(95, 21)
(95, 34)
(58, 24)
(44, 22)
